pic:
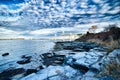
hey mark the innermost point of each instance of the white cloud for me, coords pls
(96, 1)
(83, 5)
(115, 10)
(7, 33)
(100, 26)
(9, 19)
(104, 8)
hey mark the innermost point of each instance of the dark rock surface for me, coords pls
(75, 46)
(24, 61)
(26, 57)
(7, 74)
(30, 71)
(5, 54)
(50, 59)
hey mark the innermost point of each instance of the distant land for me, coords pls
(70, 37)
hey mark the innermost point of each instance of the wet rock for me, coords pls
(24, 61)
(30, 71)
(5, 78)
(60, 58)
(5, 54)
(5, 75)
(69, 48)
(26, 57)
(50, 59)
(78, 50)
(62, 52)
(82, 68)
(41, 67)
(84, 46)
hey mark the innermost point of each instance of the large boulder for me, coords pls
(110, 64)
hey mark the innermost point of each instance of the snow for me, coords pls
(52, 72)
(63, 52)
(78, 55)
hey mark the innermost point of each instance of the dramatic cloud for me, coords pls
(35, 16)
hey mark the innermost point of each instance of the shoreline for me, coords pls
(82, 58)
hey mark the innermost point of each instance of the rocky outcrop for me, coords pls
(112, 32)
(110, 65)
(75, 46)
(81, 61)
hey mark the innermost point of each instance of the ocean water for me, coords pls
(17, 48)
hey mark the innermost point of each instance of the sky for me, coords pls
(44, 18)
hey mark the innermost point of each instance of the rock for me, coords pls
(50, 59)
(5, 78)
(58, 62)
(107, 78)
(78, 50)
(26, 57)
(24, 61)
(90, 78)
(60, 58)
(41, 67)
(111, 64)
(5, 75)
(30, 71)
(82, 68)
(69, 48)
(5, 54)
(51, 73)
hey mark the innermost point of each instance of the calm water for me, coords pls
(17, 48)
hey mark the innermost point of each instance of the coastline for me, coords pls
(68, 60)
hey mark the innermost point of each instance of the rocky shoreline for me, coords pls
(68, 61)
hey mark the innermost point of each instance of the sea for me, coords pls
(17, 48)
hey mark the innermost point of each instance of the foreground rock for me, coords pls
(110, 65)
(7, 74)
(54, 73)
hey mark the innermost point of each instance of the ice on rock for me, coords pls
(63, 52)
(79, 55)
(89, 78)
(52, 72)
